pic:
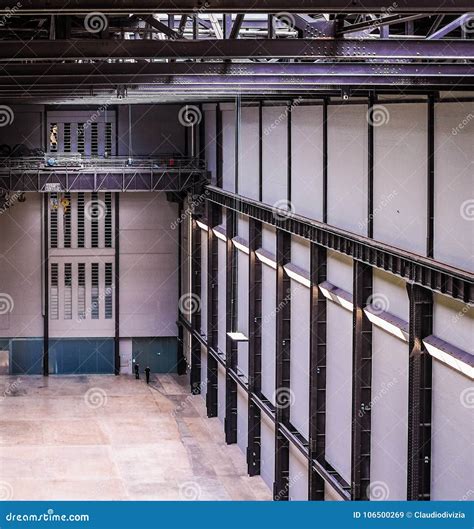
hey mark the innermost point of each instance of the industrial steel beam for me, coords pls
(64, 7)
(431, 274)
(196, 271)
(237, 49)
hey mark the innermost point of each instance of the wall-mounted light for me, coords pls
(202, 225)
(266, 258)
(237, 336)
(298, 274)
(241, 244)
(220, 233)
(337, 295)
(388, 322)
(450, 355)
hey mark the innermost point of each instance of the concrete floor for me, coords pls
(114, 438)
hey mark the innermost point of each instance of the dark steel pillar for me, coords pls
(213, 216)
(117, 286)
(196, 315)
(361, 382)
(282, 378)
(370, 171)
(317, 370)
(430, 183)
(219, 148)
(46, 284)
(419, 394)
(325, 159)
(255, 348)
(231, 323)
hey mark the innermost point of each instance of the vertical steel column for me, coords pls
(260, 151)
(325, 159)
(180, 357)
(430, 183)
(196, 271)
(117, 286)
(46, 284)
(213, 216)
(419, 394)
(370, 171)
(361, 382)
(317, 370)
(219, 148)
(255, 348)
(238, 114)
(289, 155)
(231, 322)
(282, 374)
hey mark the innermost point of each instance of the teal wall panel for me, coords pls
(159, 354)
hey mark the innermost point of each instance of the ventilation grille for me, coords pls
(54, 221)
(67, 220)
(94, 214)
(81, 291)
(94, 139)
(54, 292)
(67, 137)
(95, 292)
(108, 138)
(108, 220)
(81, 144)
(108, 291)
(68, 291)
(81, 222)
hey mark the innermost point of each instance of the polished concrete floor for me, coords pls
(114, 438)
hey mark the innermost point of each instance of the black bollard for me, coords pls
(147, 374)
(137, 372)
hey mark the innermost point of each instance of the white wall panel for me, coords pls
(339, 389)
(228, 148)
(203, 372)
(453, 322)
(300, 253)
(452, 432)
(389, 400)
(307, 161)
(454, 185)
(204, 276)
(347, 167)
(339, 270)
(268, 331)
(267, 463)
(330, 494)
(242, 419)
(210, 140)
(20, 265)
(243, 227)
(221, 393)
(249, 153)
(269, 239)
(298, 480)
(275, 154)
(299, 359)
(391, 291)
(400, 177)
(243, 308)
(221, 296)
